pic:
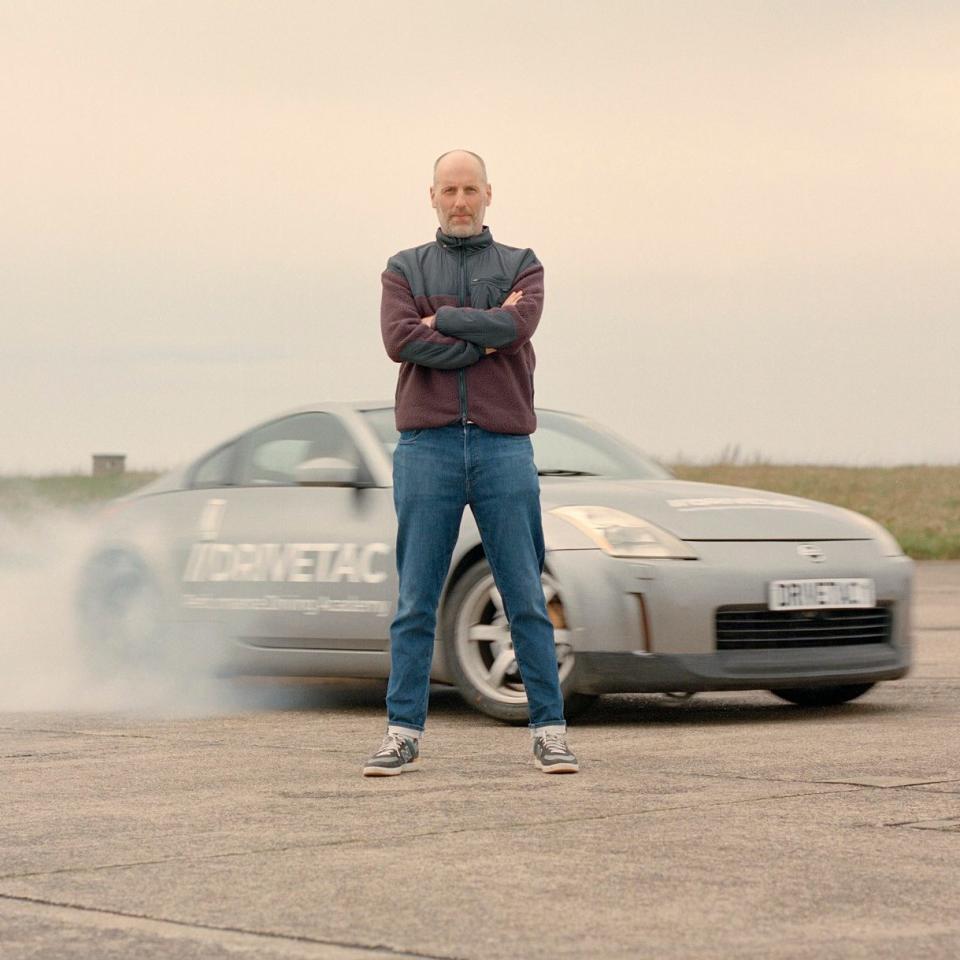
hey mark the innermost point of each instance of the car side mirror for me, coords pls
(327, 472)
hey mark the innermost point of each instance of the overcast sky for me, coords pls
(748, 213)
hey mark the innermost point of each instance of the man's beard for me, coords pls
(461, 228)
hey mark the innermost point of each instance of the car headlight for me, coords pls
(886, 541)
(623, 535)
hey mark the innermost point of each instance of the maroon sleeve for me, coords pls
(407, 339)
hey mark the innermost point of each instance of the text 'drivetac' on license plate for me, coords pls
(819, 594)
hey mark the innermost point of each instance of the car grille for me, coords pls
(756, 628)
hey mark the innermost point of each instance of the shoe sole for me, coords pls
(390, 771)
(558, 767)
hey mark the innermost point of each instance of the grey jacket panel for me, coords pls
(433, 269)
(482, 327)
(441, 356)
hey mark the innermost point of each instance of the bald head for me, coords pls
(460, 193)
(460, 156)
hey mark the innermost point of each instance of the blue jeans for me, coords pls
(436, 473)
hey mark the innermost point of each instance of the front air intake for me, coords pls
(745, 627)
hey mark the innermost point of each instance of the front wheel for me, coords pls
(480, 652)
(823, 696)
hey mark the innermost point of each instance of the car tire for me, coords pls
(478, 648)
(823, 696)
(119, 614)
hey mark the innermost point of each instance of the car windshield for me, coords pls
(563, 446)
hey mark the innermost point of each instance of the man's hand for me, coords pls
(429, 321)
(511, 301)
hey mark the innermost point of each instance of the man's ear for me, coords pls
(489, 194)
(433, 197)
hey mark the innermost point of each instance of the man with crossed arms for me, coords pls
(457, 314)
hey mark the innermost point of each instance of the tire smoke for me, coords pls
(46, 664)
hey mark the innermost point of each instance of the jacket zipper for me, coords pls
(463, 370)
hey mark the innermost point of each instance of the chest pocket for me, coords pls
(487, 292)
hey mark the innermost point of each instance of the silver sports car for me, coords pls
(273, 554)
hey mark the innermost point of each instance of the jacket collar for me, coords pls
(476, 242)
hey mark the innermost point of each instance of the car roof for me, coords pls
(177, 476)
(320, 406)
(361, 405)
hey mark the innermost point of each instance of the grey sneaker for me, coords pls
(552, 755)
(396, 754)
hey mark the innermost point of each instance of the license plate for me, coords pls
(819, 594)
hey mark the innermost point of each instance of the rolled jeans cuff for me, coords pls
(547, 728)
(403, 730)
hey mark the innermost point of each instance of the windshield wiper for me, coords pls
(564, 473)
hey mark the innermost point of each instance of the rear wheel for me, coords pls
(480, 650)
(119, 607)
(823, 696)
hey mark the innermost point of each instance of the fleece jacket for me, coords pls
(475, 365)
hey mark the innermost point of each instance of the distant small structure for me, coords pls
(109, 464)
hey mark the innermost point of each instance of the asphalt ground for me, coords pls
(731, 825)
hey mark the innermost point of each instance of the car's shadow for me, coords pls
(716, 709)
(713, 709)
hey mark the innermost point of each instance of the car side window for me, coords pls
(272, 453)
(217, 469)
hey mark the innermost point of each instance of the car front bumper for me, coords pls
(738, 670)
(651, 626)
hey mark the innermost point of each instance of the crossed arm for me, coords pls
(489, 328)
(458, 337)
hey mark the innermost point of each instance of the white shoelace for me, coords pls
(554, 743)
(392, 744)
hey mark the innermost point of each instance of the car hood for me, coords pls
(707, 511)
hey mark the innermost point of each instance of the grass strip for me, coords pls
(919, 505)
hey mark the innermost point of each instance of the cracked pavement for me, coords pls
(730, 825)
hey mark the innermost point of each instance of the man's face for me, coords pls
(460, 195)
